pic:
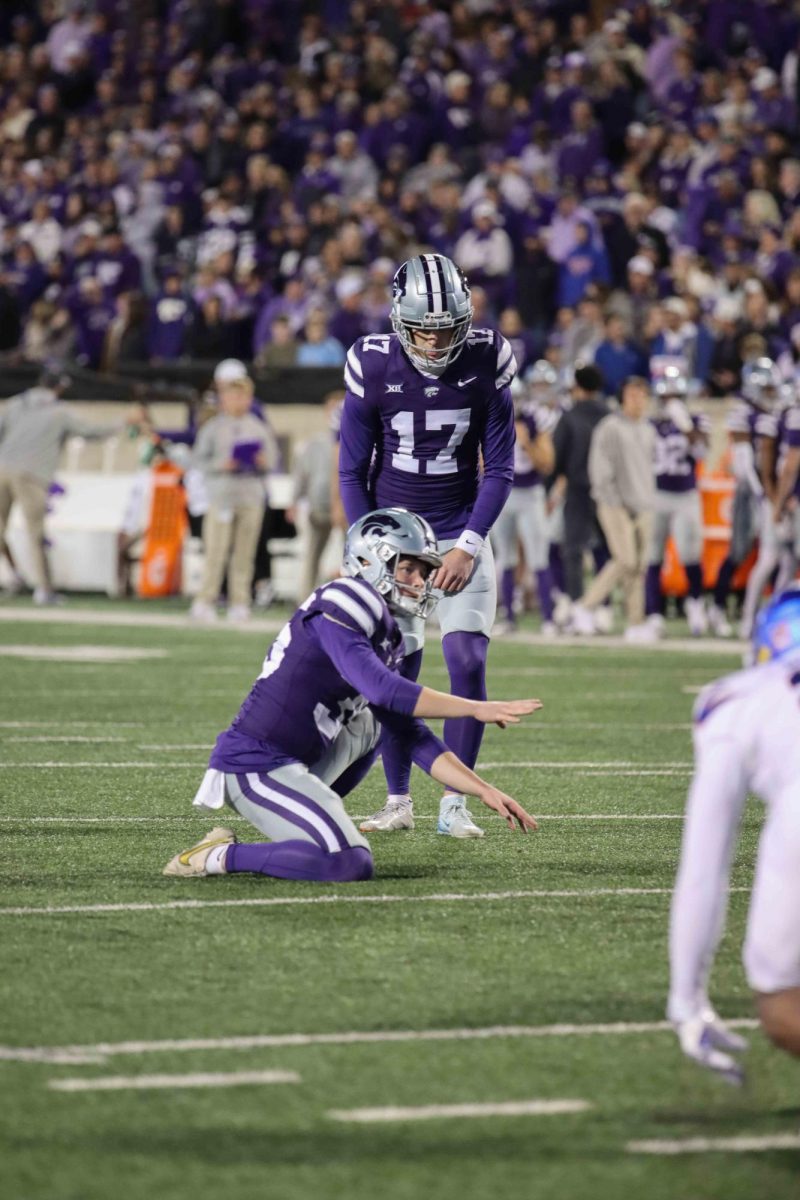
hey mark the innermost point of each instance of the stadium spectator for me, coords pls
(617, 356)
(313, 481)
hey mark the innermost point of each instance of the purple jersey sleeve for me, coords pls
(497, 444)
(358, 433)
(351, 652)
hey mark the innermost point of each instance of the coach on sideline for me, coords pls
(622, 477)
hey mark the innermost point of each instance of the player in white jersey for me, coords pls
(746, 739)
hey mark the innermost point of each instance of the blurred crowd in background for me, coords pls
(207, 178)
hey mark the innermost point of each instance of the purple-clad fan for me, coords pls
(428, 422)
(308, 731)
(681, 441)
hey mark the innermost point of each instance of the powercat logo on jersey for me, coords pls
(393, 387)
(431, 391)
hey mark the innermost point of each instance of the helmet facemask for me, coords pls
(430, 296)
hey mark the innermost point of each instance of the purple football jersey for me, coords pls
(675, 459)
(789, 438)
(340, 651)
(525, 474)
(417, 441)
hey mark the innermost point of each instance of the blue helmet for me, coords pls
(777, 627)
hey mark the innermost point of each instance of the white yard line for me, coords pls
(122, 1083)
(438, 1112)
(289, 901)
(59, 724)
(743, 1143)
(98, 1051)
(196, 816)
(624, 766)
(68, 738)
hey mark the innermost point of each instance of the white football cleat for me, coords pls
(238, 613)
(191, 863)
(657, 623)
(549, 629)
(603, 618)
(581, 621)
(455, 820)
(718, 622)
(395, 814)
(696, 616)
(562, 610)
(504, 628)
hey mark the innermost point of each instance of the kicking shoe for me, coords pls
(456, 821)
(191, 863)
(696, 616)
(718, 622)
(395, 814)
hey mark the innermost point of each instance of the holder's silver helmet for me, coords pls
(431, 294)
(761, 383)
(375, 543)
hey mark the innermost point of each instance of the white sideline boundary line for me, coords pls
(121, 1083)
(289, 901)
(439, 1112)
(743, 1143)
(98, 1051)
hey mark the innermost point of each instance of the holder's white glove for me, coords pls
(706, 1039)
(679, 414)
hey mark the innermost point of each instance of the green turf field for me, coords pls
(489, 948)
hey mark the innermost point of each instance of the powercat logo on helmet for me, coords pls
(380, 525)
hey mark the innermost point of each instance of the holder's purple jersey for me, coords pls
(341, 651)
(675, 459)
(417, 441)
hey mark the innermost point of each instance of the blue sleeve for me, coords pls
(497, 444)
(351, 652)
(358, 435)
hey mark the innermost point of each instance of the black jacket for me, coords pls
(571, 440)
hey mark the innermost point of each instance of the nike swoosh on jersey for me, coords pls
(464, 382)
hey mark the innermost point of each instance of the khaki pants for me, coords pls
(31, 495)
(319, 530)
(628, 538)
(230, 533)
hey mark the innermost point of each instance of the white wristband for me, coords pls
(469, 541)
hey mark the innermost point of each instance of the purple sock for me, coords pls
(352, 777)
(296, 859)
(652, 589)
(723, 584)
(507, 593)
(544, 589)
(396, 761)
(694, 573)
(465, 656)
(557, 567)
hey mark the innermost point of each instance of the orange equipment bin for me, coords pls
(716, 497)
(160, 564)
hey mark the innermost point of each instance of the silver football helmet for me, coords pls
(761, 383)
(430, 294)
(671, 384)
(374, 545)
(542, 381)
